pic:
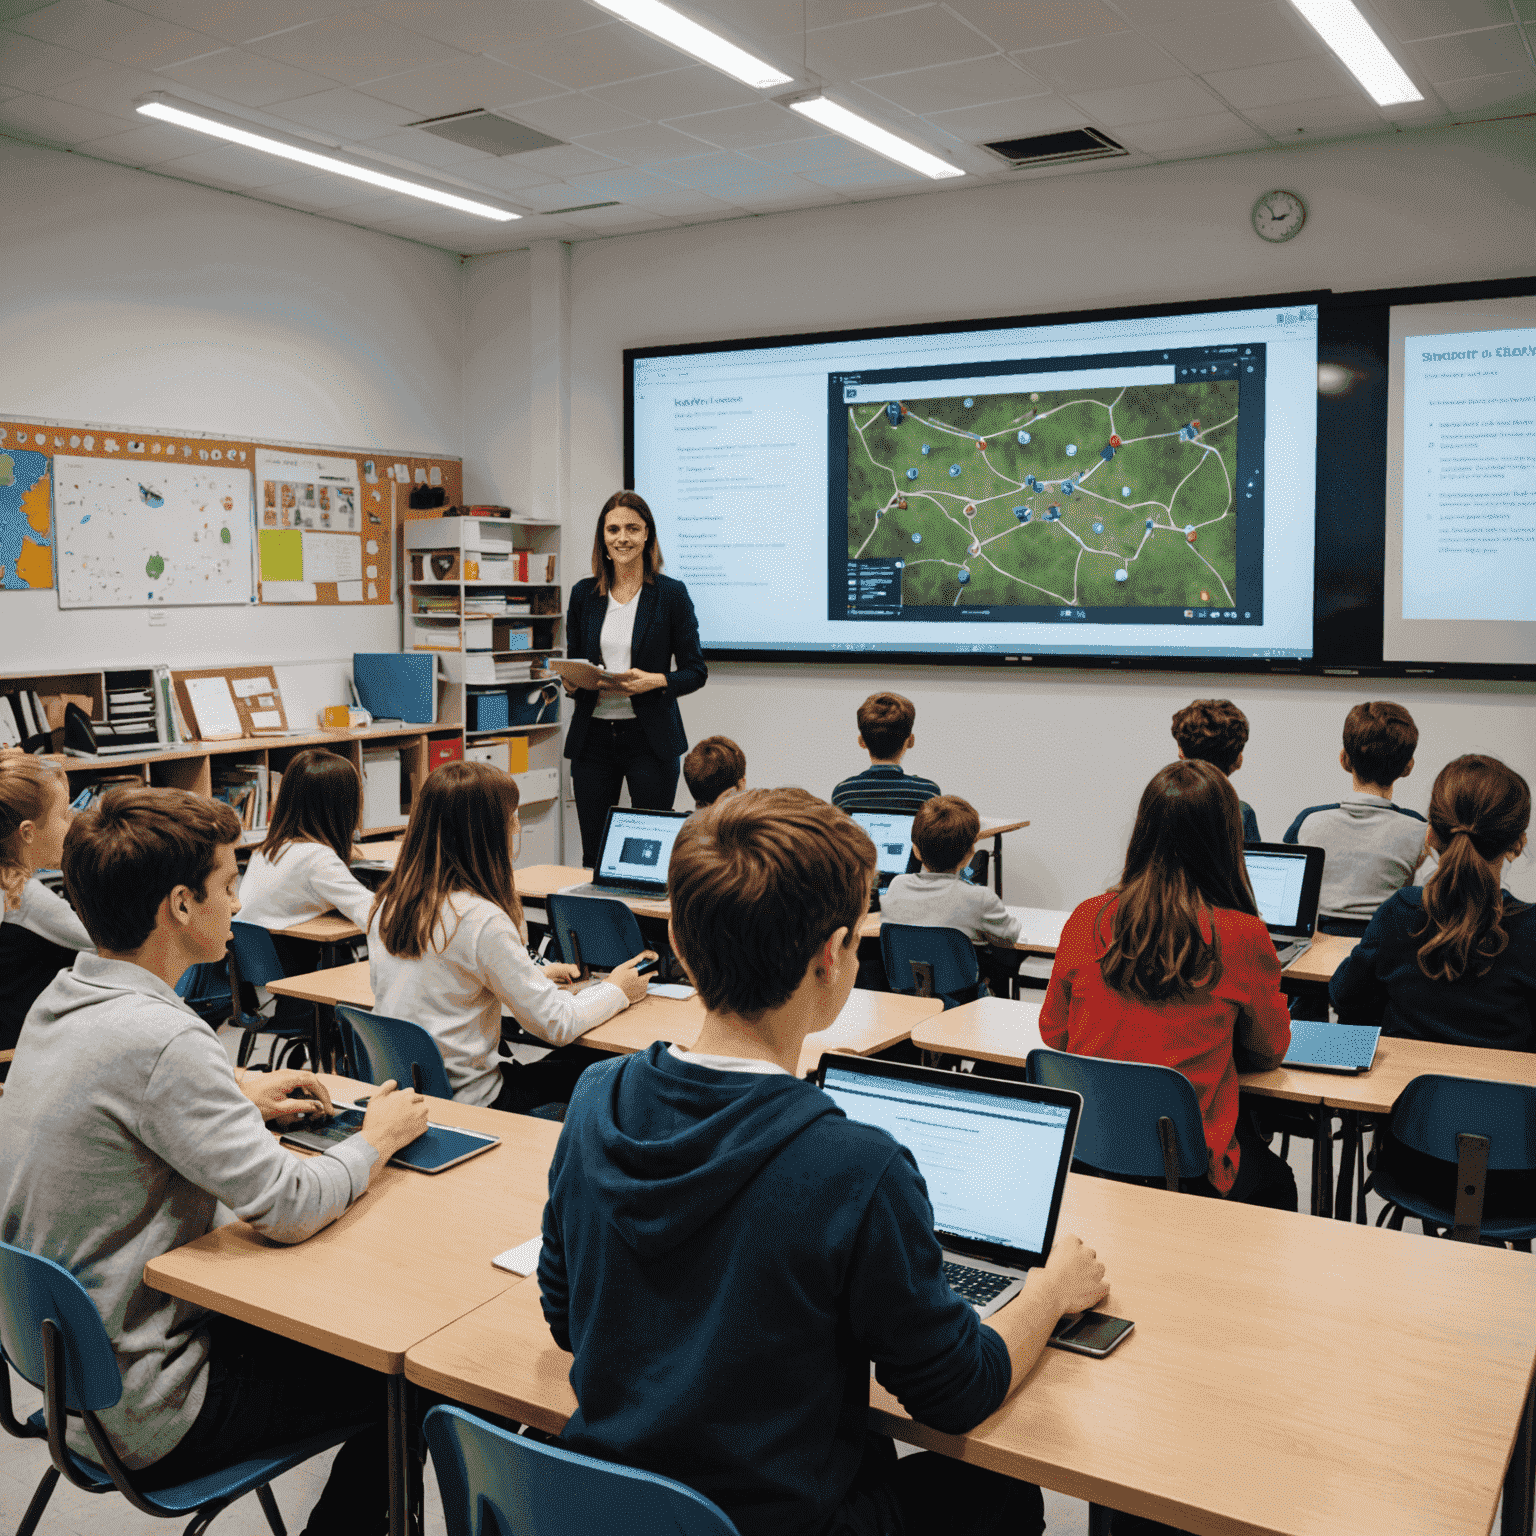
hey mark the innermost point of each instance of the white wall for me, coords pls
(134, 300)
(1069, 750)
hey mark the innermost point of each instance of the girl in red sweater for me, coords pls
(1175, 967)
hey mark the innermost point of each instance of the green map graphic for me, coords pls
(994, 524)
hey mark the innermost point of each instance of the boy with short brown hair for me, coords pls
(784, 1246)
(714, 768)
(1215, 731)
(885, 732)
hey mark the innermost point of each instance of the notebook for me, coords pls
(993, 1154)
(1322, 1047)
(635, 852)
(1286, 879)
(439, 1147)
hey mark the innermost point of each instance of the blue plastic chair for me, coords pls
(1139, 1121)
(495, 1483)
(1474, 1128)
(255, 961)
(52, 1335)
(929, 962)
(595, 932)
(380, 1048)
(206, 991)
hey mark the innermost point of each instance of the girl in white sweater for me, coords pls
(448, 948)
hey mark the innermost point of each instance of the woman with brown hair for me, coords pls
(630, 620)
(447, 948)
(1455, 958)
(1175, 967)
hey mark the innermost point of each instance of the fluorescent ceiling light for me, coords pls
(220, 127)
(681, 32)
(841, 120)
(1360, 51)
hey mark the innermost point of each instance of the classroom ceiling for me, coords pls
(653, 139)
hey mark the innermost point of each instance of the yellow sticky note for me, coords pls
(282, 554)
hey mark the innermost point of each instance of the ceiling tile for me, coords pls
(1151, 13)
(238, 21)
(563, 160)
(1008, 119)
(150, 145)
(806, 194)
(946, 86)
(713, 173)
(571, 115)
(317, 194)
(625, 219)
(1470, 54)
(108, 31)
(1122, 58)
(677, 92)
(459, 85)
(1328, 115)
(1012, 25)
(748, 127)
(683, 203)
(884, 44)
(1412, 20)
(11, 9)
(818, 154)
(1207, 134)
(844, 178)
(31, 65)
(245, 79)
(598, 56)
(355, 47)
(60, 122)
(479, 26)
(414, 147)
(343, 114)
(1270, 85)
(551, 194)
(1513, 91)
(109, 88)
(228, 165)
(1261, 34)
(1147, 103)
(629, 184)
(505, 175)
(646, 144)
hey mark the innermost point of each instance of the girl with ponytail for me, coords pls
(1454, 959)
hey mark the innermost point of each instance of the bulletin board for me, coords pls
(343, 505)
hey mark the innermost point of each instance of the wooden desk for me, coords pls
(328, 928)
(1040, 933)
(406, 1259)
(340, 984)
(1252, 1398)
(994, 827)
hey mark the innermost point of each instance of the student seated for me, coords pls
(448, 948)
(39, 932)
(1455, 958)
(944, 838)
(885, 732)
(716, 767)
(1215, 731)
(1374, 847)
(304, 867)
(123, 1131)
(719, 1232)
(1175, 967)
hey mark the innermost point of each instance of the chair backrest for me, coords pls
(947, 950)
(33, 1289)
(381, 1048)
(1122, 1104)
(255, 954)
(606, 931)
(495, 1483)
(1432, 1110)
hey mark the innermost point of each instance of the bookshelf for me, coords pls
(483, 595)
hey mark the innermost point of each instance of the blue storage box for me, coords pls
(535, 705)
(487, 711)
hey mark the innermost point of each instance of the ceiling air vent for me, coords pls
(1057, 148)
(549, 213)
(479, 129)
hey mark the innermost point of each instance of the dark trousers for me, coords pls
(530, 1085)
(616, 752)
(927, 1493)
(1263, 1177)
(263, 1391)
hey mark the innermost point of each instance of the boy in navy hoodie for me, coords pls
(725, 1253)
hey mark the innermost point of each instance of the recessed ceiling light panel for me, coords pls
(842, 120)
(1340, 25)
(709, 47)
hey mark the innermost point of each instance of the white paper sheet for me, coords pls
(349, 591)
(249, 687)
(213, 707)
(266, 720)
(332, 557)
(288, 592)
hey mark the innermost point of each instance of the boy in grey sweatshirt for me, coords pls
(123, 1129)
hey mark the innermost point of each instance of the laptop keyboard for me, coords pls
(639, 892)
(977, 1286)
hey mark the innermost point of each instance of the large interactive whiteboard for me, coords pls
(135, 535)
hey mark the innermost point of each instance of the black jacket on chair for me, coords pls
(665, 628)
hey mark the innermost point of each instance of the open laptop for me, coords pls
(891, 833)
(1286, 879)
(993, 1154)
(636, 849)
(1321, 1047)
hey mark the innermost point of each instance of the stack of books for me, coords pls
(518, 671)
(131, 718)
(245, 786)
(98, 787)
(430, 603)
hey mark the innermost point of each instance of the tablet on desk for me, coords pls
(1320, 1047)
(441, 1147)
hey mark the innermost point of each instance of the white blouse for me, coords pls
(457, 993)
(305, 880)
(617, 646)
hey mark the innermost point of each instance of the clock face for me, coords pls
(1278, 216)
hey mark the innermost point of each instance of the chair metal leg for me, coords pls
(997, 865)
(1520, 1479)
(34, 1514)
(399, 1503)
(1349, 1148)
(1322, 1163)
(1100, 1520)
(268, 1502)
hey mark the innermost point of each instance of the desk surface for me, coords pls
(1253, 1396)
(409, 1257)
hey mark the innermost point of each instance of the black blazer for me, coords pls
(665, 627)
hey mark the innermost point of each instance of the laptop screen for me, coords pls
(892, 836)
(992, 1162)
(638, 845)
(1277, 880)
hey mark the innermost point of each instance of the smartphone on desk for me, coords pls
(1090, 1333)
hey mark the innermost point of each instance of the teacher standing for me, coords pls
(630, 620)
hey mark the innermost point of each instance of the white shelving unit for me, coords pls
(451, 564)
